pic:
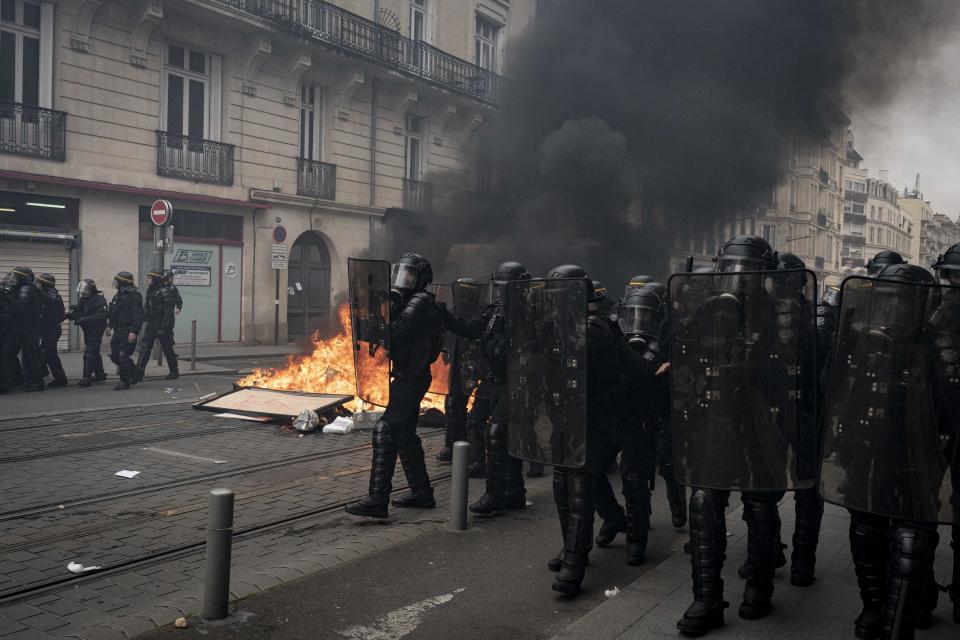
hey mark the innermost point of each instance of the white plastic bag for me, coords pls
(340, 425)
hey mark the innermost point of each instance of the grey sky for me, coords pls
(918, 131)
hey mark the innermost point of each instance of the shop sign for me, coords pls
(188, 276)
(193, 256)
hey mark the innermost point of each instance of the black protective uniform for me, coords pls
(160, 317)
(24, 335)
(52, 315)
(8, 379)
(124, 318)
(609, 357)
(90, 314)
(415, 335)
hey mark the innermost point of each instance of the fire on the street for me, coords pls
(330, 369)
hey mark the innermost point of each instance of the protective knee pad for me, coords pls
(908, 574)
(384, 459)
(708, 544)
(763, 540)
(636, 492)
(868, 547)
(580, 496)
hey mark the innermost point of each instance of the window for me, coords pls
(871, 235)
(414, 150)
(770, 234)
(418, 20)
(188, 92)
(311, 122)
(487, 35)
(20, 52)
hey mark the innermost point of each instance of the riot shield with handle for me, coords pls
(369, 287)
(743, 379)
(547, 370)
(887, 450)
(441, 369)
(469, 301)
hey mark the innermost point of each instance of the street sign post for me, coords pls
(161, 212)
(279, 258)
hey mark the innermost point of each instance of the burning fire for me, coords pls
(330, 369)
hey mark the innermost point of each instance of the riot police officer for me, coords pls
(25, 334)
(159, 315)
(883, 259)
(124, 320)
(415, 334)
(736, 416)
(90, 314)
(608, 358)
(635, 283)
(8, 379)
(52, 315)
(174, 292)
(458, 392)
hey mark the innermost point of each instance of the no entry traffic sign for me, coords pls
(161, 212)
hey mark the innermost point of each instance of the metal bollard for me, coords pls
(461, 482)
(216, 588)
(193, 345)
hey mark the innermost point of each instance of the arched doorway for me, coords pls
(308, 285)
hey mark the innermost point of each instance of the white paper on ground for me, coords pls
(76, 567)
(339, 425)
(611, 592)
(126, 473)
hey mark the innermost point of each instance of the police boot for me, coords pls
(173, 375)
(420, 495)
(375, 504)
(123, 385)
(515, 493)
(763, 544)
(928, 602)
(84, 382)
(677, 497)
(806, 533)
(579, 535)
(868, 546)
(908, 574)
(140, 368)
(636, 491)
(708, 544)
(493, 500)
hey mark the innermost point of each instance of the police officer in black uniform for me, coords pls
(52, 314)
(159, 315)
(8, 379)
(415, 334)
(124, 319)
(168, 276)
(90, 314)
(608, 358)
(25, 335)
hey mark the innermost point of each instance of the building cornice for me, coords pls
(314, 204)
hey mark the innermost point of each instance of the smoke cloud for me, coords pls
(631, 122)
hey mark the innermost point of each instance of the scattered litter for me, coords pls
(179, 454)
(181, 623)
(209, 395)
(340, 425)
(611, 592)
(306, 421)
(126, 473)
(171, 390)
(76, 567)
(237, 416)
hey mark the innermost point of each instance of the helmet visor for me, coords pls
(404, 276)
(949, 275)
(748, 283)
(638, 320)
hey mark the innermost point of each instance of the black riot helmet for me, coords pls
(883, 259)
(947, 266)
(641, 314)
(412, 272)
(911, 273)
(509, 271)
(659, 289)
(86, 288)
(18, 276)
(46, 281)
(123, 279)
(902, 306)
(787, 261)
(571, 271)
(154, 277)
(636, 282)
(167, 276)
(744, 253)
(467, 292)
(599, 291)
(831, 296)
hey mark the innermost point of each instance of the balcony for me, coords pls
(416, 196)
(194, 159)
(33, 131)
(855, 196)
(822, 219)
(316, 179)
(345, 32)
(854, 218)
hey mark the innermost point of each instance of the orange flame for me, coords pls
(330, 369)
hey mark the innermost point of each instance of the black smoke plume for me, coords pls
(629, 123)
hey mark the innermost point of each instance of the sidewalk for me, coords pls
(651, 606)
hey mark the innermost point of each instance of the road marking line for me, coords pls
(397, 623)
(184, 455)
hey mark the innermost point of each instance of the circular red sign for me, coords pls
(160, 212)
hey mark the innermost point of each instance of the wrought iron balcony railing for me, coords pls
(316, 179)
(349, 33)
(33, 131)
(196, 159)
(416, 195)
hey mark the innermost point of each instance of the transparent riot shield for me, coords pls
(743, 379)
(547, 371)
(469, 301)
(369, 285)
(890, 427)
(441, 369)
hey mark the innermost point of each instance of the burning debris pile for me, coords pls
(330, 369)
